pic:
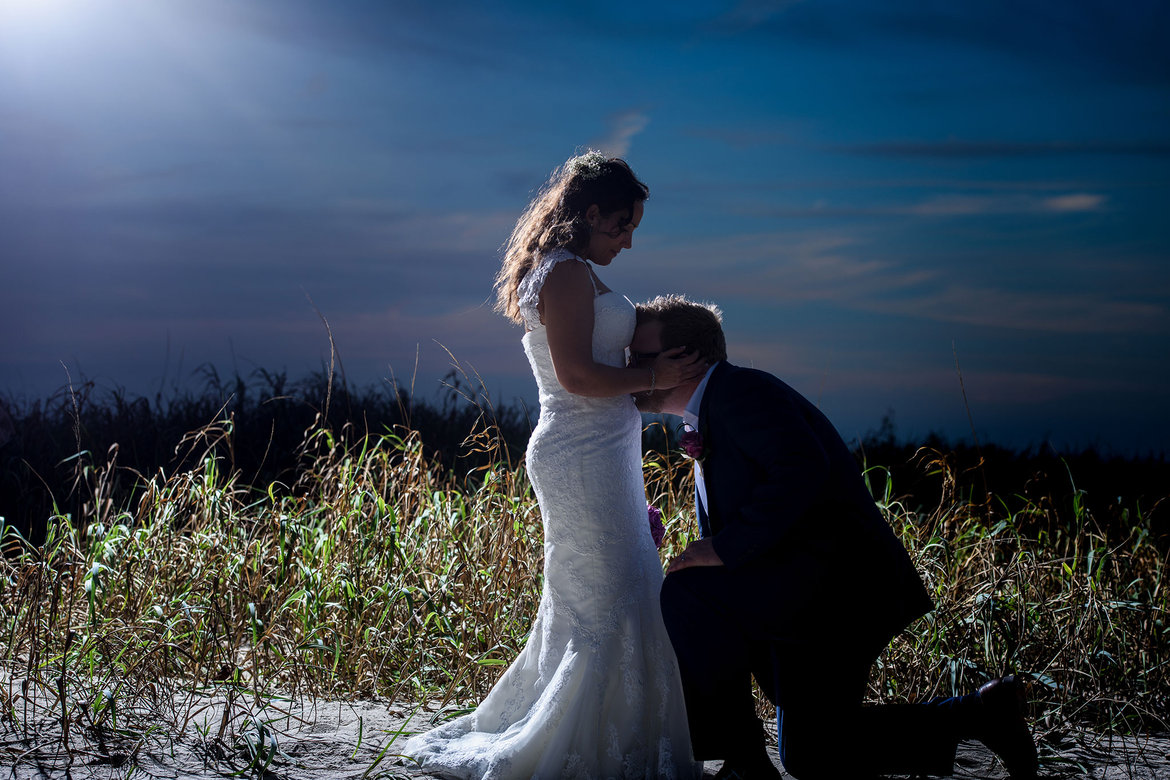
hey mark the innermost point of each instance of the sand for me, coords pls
(202, 736)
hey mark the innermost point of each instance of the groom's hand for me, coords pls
(698, 553)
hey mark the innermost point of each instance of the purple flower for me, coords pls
(657, 531)
(692, 444)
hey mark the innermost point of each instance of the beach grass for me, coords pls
(375, 569)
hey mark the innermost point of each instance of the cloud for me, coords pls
(956, 149)
(1026, 310)
(854, 383)
(982, 385)
(1034, 388)
(852, 273)
(623, 128)
(958, 205)
(797, 266)
(979, 205)
(751, 13)
(1075, 202)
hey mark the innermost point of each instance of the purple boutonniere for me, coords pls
(692, 444)
(657, 531)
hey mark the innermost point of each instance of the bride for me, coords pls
(595, 693)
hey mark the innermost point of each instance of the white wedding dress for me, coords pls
(595, 693)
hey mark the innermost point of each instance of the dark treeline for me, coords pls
(257, 427)
(48, 446)
(1110, 492)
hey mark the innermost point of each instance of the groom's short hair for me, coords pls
(687, 323)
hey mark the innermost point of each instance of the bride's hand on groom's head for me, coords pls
(676, 366)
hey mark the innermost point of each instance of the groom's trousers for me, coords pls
(727, 625)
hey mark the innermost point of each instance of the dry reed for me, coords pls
(376, 572)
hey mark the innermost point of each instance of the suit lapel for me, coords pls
(705, 424)
(705, 404)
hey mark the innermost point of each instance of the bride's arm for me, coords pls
(567, 300)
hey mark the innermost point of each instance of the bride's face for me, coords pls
(611, 233)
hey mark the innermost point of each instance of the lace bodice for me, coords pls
(613, 328)
(532, 283)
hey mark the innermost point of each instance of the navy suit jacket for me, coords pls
(787, 507)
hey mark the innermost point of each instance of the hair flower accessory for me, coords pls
(692, 444)
(587, 166)
(657, 531)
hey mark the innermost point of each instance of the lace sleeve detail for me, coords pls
(531, 284)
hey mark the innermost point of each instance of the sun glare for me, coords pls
(37, 11)
(55, 24)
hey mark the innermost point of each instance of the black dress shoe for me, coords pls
(1003, 728)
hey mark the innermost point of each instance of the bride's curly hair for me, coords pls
(556, 217)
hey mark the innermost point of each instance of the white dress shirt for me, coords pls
(691, 421)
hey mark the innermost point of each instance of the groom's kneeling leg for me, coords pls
(818, 698)
(820, 710)
(714, 664)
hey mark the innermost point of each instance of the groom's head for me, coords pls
(670, 321)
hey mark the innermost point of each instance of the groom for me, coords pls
(796, 580)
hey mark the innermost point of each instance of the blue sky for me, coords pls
(870, 190)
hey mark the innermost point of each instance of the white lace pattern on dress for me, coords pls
(595, 692)
(530, 286)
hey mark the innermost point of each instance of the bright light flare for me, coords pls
(41, 33)
(32, 16)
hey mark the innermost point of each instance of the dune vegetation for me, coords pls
(377, 558)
